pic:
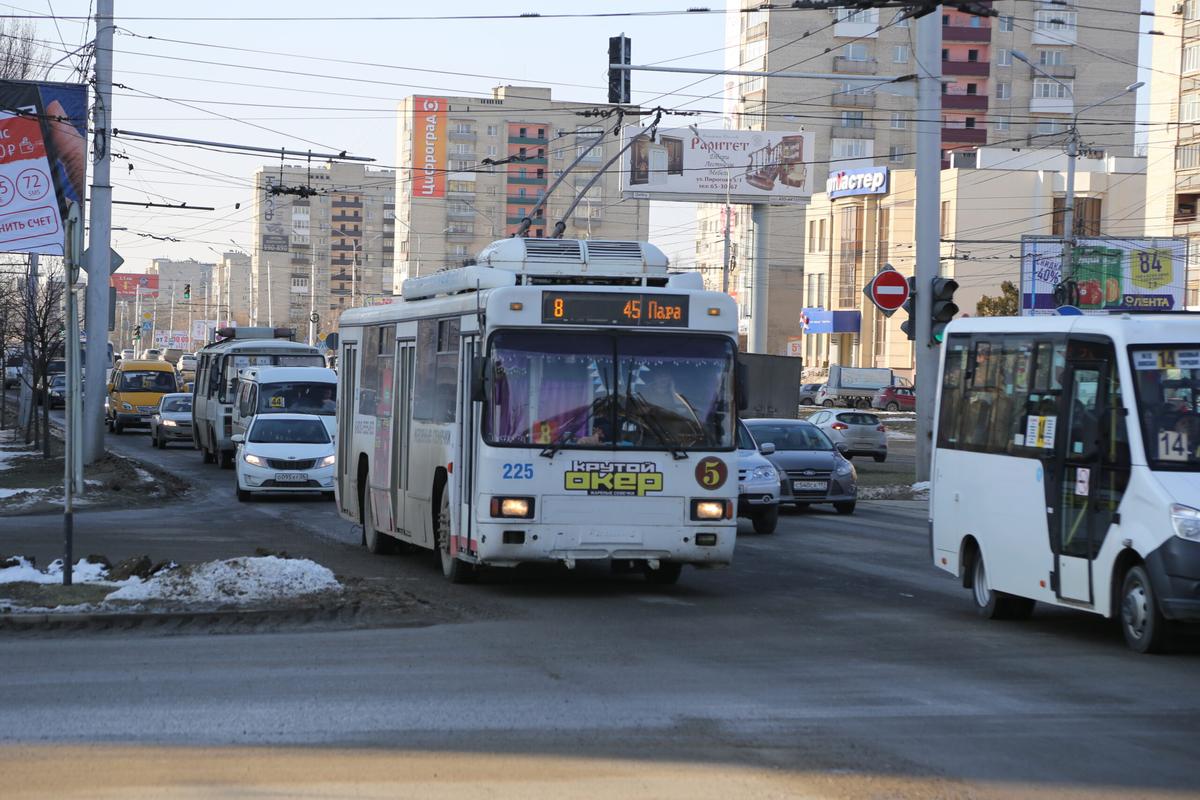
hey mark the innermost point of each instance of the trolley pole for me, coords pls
(928, 222)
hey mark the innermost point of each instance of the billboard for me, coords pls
(175, 339)
(1112, 274)
(275, 243)
(857, 182)
(752, 166)
(43, 162)
(429, 147)
(130, 285)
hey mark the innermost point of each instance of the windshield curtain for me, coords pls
(298, 398)
(288, 431)
(791, 436)
(148, 381)
(669, 392)
(1168, 398)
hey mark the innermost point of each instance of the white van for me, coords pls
(1067, 467)
(285, 390)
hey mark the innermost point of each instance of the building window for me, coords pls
(1052, 58)
(1189, 108)
(850, 149)
(1046, 127)
(899, 120)
(855, 51)
(972, 56)
(1000, 123)
(521, 133)
(1054, 90)
(850, 254)
(867, 16)
(1003, 58)
(1055, 21)
(945, 218)
(852, 119)
(900, 54)
(462, 127)
(1006, 24)
(1087, 214)
(900, 20)
(1191, 58)
(896, 153)
(1003, 91)
(1187, 156)
(884, 245)
(492, 130)
(972, 88)
(969, 122)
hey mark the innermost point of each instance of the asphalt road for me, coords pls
(832, 660)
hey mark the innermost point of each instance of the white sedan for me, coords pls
(284, 453)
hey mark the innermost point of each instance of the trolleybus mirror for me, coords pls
(331, 341)
(479, 381)
(739, 386)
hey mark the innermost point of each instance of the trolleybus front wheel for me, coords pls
(456, 570)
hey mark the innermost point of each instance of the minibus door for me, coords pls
(1094, 459)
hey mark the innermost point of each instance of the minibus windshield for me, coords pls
(1168, 393)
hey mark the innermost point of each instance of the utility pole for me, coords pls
(100, 241)
(928, 224)
(756, 341)
(28, 404)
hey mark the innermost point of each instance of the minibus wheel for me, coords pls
(1142, 623)
(992, 604)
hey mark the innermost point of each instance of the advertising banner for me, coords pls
(202, 329)
(43, 162)
(130, 285)
(275, 243)
(855, 182)
(176, 339)
(429, 147)
(820, 320)
(752, 166)
(1112, 274)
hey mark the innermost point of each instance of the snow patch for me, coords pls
(26, 572)
(236, 580)
(920, 486)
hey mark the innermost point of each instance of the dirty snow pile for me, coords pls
(236, 580)
(24, 571)
(920, 486)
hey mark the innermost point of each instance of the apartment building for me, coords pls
(990, 97)
(998, 196)
(171, 312)
(1173, 136)
(323, 242)
(474, 167)
(231, 279)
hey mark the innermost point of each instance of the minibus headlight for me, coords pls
(327, 461)
(1186, 521)
(765, 473)
(253, 459)
(711, 509)
(516, 507)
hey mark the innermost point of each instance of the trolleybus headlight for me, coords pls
(1186, 521)
(327, 461)
(518, 507)
(253, 459)
(712, 509)
(764, 474)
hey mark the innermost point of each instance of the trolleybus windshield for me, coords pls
(603, 391)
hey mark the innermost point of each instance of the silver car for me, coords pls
(814, 470)
(808, 393)
(857, 433)
(758, 482)
(172, 420)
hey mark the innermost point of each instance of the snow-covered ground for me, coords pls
(235, 581)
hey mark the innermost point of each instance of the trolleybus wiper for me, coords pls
(579, 416)
(674, 446)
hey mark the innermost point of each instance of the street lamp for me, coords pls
(1066, 293)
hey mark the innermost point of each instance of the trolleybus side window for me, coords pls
(378, 355)
(436, 385)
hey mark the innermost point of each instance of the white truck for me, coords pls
(854, 387)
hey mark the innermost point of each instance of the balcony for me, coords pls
(1064, 71)
(346, 218)
(527, 140)
(523, 200)
(342, 248)
(462, 136)
(964, 135)
(529, 159)
(527, 181)
(1051, 105)
(347, 232)
(517, 220)
(853, 99)
(972, 68)
(460, 213)
(852, 132)
(848, 67)
(300, 259)
(965, 33)
(965, 102)
(347, 204)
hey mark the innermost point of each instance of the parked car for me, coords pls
(808, 393)
(172, 420)
(134, 391)
(814, 470)
(284, 453)
(856, 433)
(758, 482)
(895, 398)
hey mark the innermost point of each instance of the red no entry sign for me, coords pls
(887, 290)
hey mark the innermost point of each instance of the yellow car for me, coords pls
(134, 389)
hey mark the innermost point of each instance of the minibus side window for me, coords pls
(952, 388)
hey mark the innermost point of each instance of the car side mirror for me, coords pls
(480, 373)
(766, 448)
(237, 438)
(842, 447)
(110, 387)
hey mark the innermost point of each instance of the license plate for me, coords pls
(809, 486)
(291, 477)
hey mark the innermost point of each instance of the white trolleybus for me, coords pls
(1067, 467)
(217, 375)
(558, 401)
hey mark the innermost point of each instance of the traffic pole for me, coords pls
(928, 224)
(100, 241)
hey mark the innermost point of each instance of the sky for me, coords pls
(275, 83)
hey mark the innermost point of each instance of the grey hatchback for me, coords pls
(814, 470)
(172, 420)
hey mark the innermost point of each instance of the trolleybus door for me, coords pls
(468, 430)
(402, 422)
(347, 407)
(1093, 466)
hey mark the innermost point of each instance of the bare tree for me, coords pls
(21, 57)
(10, 331)
(41, 321)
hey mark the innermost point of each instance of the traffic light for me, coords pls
(618, 79)
(909, 326)
(943, 308)
(187, 291)
(137, 333)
